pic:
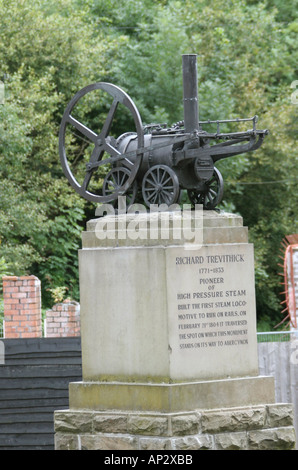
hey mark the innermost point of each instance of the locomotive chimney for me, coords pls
(190, 92)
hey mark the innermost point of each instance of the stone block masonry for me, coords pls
(63, 320)
(263, 427)
(22, 307)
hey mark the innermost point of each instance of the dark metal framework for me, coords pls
(155, 160)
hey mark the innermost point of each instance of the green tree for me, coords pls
(48, 52)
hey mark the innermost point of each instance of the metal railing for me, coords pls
(254, 121)
(276, 336)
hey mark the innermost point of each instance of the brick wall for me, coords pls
(22, 311)
(63, 320)
(22, 307)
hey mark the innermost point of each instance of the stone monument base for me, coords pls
(259, 427)
(181, 416)
(169, 344)
(177, 416)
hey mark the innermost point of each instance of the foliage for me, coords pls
(40, 216)
(58, 294)
(247, 58)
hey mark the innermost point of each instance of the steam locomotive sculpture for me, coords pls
(156, 161)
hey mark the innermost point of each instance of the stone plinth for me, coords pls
(168, 325)
(162, 397)
(165, 309)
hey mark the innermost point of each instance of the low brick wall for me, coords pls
(63, 320)
(264, 427)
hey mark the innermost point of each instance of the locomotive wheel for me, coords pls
(115, 180)
(211, 195)
(160, 186)
(104, 152)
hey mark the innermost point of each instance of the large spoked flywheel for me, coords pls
(87, 155)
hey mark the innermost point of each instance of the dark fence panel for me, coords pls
(36, 373)
(33, 384)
